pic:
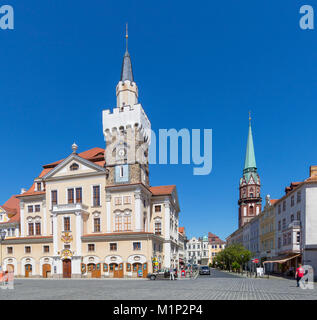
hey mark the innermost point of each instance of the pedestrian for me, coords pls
(171, 274)
(299, 274)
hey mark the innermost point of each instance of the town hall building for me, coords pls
(94, 213)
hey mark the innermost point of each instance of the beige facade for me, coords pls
(94, 214)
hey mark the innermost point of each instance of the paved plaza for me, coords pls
(218, 286)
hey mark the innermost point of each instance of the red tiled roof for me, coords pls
(12, 207)
(273, 201)
(91, 154)
(181, 229)
(162, 190)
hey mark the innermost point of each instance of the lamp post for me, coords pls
(2, 236)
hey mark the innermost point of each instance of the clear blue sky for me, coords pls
(198, 64)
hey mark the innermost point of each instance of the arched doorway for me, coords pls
(28, 270)
(94, 270)
(67, 268)
(10, 268)
(116, 270)
(46, 270)
(136, 266)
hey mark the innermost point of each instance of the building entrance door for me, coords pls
(46, 270)
(28, 270)
(94, 270)
(67, 268)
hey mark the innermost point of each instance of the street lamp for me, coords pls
(2, 236)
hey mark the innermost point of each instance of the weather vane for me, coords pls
(126, 36)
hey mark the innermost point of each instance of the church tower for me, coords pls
(250, 185)
(127, 132)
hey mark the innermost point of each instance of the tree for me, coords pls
(233, 255)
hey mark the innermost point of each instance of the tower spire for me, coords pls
(126, 71)
(250, 155)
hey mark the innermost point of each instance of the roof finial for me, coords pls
(250, 116)
(126, 37)
(74, 148)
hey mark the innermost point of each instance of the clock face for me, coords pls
(121, 153)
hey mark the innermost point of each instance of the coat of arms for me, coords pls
(66, 237)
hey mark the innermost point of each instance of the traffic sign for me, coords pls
(255, 260)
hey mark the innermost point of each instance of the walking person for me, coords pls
(171, 274)
(299, 274)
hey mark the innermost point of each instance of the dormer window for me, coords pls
(74, 167)
(39, 186)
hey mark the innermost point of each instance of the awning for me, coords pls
(282, 259)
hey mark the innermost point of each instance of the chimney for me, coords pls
(312, 171)
(23, 190)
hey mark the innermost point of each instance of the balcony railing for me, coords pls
(69, 207)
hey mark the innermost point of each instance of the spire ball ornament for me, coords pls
(74, 148)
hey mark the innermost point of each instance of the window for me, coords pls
(158, 228)
(67, 246)
(37, 208)
(251, 211)
(91, 247)
(298, 216)
(279, 209)
(284, 205)
(136, 245)
(292, 201)
(70, 193)
(96, 196)
(127, 223)
(31, 229)
(118, 201)
(37, 228)
(79, 194)
(113, 246)
(126, 199)
(54, 197)
(279, 243)
(46, 249)
(299, 196)
(289, 238)
(157, 208)
(39, 186)
(66, 223)
(74, 167)
(284, 223)
(96, 224)
(118, 223)
(121, 171)
(292, 218)
(27, 249)
(30, 209)
(298, 237)
(9, 250)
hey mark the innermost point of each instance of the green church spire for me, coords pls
(249, 156)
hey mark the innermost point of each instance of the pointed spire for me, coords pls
(250, 155)
(126, 71)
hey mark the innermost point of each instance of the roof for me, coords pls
(273, 201)
(162, 190)
(126, 71)
(181, 230)
(212, 238)
(12, 208)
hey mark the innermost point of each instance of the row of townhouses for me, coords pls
(94, 213)
(203, 250)
(283, 234)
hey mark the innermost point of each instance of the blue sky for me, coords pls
(197, 64)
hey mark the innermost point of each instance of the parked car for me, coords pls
(161, 275)
(195, 267)
(204, 270)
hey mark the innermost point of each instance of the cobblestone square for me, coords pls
(218, 286)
